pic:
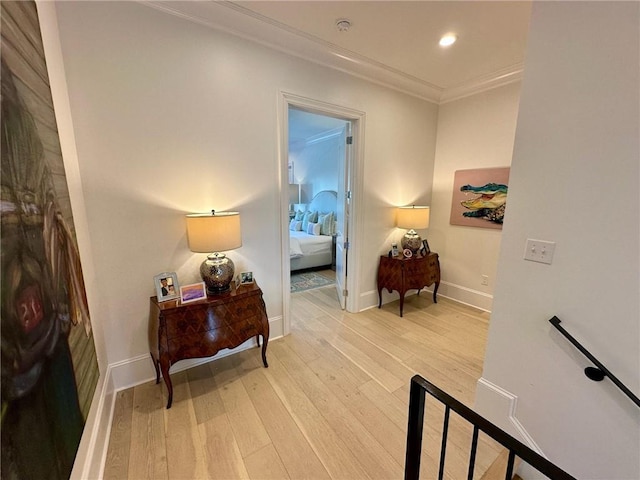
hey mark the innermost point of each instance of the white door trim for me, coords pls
(357, 119)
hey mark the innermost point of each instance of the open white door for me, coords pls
(342, 214)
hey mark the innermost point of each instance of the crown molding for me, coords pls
(487, 82)
(236, 20)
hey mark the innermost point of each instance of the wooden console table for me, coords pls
(201, 329)
(402, 274)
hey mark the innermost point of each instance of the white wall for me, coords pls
(95, 435)
(172, 117)
(574, 180)
(316, 166)
(474, 132)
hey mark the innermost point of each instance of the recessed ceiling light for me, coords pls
(448, 40)
(343, 24)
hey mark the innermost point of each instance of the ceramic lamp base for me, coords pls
(412, 241)
(217, 272)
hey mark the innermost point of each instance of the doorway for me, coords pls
(346, 127)
(318, 179)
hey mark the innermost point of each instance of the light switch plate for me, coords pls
(539, 251)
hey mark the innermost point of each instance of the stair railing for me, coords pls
(419, 388)
(599, 372)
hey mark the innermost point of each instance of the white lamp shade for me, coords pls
(415, 217)
(208, 233)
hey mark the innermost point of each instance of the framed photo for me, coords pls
(425, 248)
(167, 287)
(245, 278)
(193, 292)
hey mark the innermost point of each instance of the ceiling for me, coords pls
(394, 43)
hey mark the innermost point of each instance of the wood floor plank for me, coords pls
(393, 345)
(362, 354)
(185, 454)
(117, 463)
(223, 457)
(148, 457)
(297, 455)
(460, 384)
(302, 307)
(265, 464)
(245, 421)
(306, 346)
(344, 387)
(205, 397)
(394, 408)
(330, 448)
(375, 460)
(325, 299)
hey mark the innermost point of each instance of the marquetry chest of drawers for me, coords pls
(201, 329)
(402, 274)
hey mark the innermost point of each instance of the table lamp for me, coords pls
(294, 195)
(215, 232)
(412, 217)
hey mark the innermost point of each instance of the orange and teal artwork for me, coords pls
(480, 197)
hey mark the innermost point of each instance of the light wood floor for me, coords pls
(332, 404)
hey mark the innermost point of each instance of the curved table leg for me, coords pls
(401, 303)
(155, 364)
(379, 297)
(164, 366)
(435, 290)
(265, 341)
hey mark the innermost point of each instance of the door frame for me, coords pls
(355, 226)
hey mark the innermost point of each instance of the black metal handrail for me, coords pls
(598, 372)
(419, 388)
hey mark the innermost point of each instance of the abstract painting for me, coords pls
(480, 197)
(49, 366)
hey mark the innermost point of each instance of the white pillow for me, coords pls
(295, 225)
(308, 218)
(326, 223)
(313, 228)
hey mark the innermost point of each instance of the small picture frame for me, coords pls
(245, 278)
(425, 248)
(394, 250)
(193, 292)
(167, 287)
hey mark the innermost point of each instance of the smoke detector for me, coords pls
(343, 24)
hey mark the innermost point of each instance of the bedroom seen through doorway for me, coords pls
(318, 174)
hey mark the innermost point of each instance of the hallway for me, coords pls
(332, 404)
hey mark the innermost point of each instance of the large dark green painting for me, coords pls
(49, 368)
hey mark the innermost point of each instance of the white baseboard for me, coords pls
(89, 461)
(468, 296)
(473, 298)
(499, 407)
(94, 445)
(368, 300)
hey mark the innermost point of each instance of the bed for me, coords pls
(312, 248)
